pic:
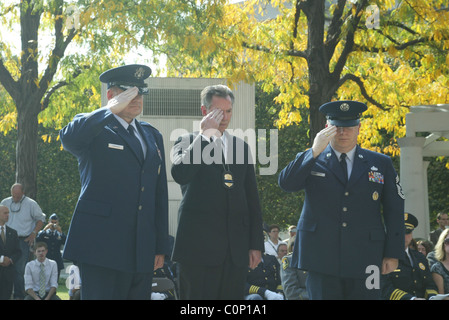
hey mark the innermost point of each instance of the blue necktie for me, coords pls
(344, 166)
(136, 143)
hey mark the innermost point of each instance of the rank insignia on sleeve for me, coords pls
(398, 185)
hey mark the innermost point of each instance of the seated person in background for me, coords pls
(281, 252)
(412, 279)
(293, 279)
(41, 276)
(424, 246)
(440, 269)
(264, 282)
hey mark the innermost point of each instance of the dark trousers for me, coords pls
(6, 284)
(222, 282)
(53, 297)
(98, 283)
(325, 287)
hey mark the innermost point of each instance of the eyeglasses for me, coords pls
(446, 241)
(17, 207)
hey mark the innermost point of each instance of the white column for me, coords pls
(426, 221)
(413, 181)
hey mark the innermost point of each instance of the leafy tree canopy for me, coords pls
(315, 51)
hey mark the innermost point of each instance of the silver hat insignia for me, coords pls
(344, 107)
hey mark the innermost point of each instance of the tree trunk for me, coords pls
(317, 65)
(26, 149)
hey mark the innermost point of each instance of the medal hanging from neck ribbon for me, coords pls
(227, 176)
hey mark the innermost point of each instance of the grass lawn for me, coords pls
(63, 292)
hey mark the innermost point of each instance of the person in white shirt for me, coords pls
(271, 245)
(41, 276)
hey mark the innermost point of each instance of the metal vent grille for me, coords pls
(172, 102)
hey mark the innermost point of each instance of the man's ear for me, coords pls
(203, 110)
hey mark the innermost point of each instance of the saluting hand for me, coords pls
(322, 139)
(119, 102)
(211, 122)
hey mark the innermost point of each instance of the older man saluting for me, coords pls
(352, 216)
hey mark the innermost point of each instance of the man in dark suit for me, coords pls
(119, 230)
(220, 226)
(352, 217)
(9, 252)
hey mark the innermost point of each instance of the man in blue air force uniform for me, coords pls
(119, 230)
(352, 216)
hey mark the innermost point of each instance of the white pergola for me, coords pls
(432, 119)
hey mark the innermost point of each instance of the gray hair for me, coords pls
(19, 185)
(218, 90)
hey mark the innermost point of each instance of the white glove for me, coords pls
(121, 101)
(270, 295)
(322, 139)
(158, 296)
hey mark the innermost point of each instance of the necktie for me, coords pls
(42, 281)
(136, 143)
(344, 165)
(3, 235)
(219, 141)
